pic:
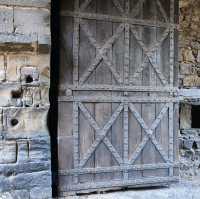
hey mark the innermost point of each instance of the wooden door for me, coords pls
(118, 110)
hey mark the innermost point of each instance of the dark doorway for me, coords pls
(53, 112)
(196, 116)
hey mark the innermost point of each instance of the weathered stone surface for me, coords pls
(39, 150)
(29, 21)
(26, 167)
(189, 153)
(19, 194)
(6, 19)
(25, 170)
(40, 193)
(16, 63)
(6, 95)
(23, 151)
(8, 152)
(32, 3)
(25, 180)
(26, 120)
(14, 38)
(191, 81)
(185, 116)
(2, 69)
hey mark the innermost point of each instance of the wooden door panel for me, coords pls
(117, 103)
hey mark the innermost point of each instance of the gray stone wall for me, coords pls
(25, 170)
(189, 59)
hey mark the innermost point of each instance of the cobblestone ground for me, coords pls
(183, 190)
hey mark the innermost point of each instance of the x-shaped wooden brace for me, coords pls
(149, 133)
(135, 11)
(101, 134)
(101, 53)
(85, 4)
(149, 53)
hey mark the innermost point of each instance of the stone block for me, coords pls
(185, 116)
(23, 151)
(186, 69)
(36, 62)
(8, 151)
(2, 69)
(31, 21)
(31, 3)
(191, 81)
(187, 55)
(6, 19)
(36, 96)
(26, 122)
(40, 193)
(24, 167)
(15, 194)
(6, 95)
(5, 184)
(44, 43)
(198, 56)
(44, 91)
(29, 74)
(39, 150)
(25, 181)
(31, 180)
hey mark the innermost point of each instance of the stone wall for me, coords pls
(25, 170)
(189, 59)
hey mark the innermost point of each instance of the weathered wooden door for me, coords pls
(118, 110)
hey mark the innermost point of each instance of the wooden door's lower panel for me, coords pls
(90, 187)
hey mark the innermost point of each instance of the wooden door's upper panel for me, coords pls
(112, 42)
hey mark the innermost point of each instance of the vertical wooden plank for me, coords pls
(118, 60)
(103, 157)
(162, 131)
(126, 135)
(149, 78)
(175, 138)
(126, 82)
(171, 108)
(76, 45)
(162, 136)
(127, 46)
(172, 43)
(87, 133)
(66, 51)
(136, 60)
(171, 137)
(76, 138)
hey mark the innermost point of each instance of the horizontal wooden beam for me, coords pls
(113, 99)
(118, 169)
(118, 19)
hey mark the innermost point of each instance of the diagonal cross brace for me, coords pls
(148, 52)
(149, 133)
(101, 134)
(85, 4)
(119, 7)
(135, 11)
(101, 51)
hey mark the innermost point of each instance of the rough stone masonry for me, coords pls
(189, 61)
(25, 170)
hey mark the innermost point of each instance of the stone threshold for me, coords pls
(181, 190)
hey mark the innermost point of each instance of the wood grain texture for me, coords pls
(122, 64)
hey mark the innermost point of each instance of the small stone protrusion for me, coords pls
(28, 98)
